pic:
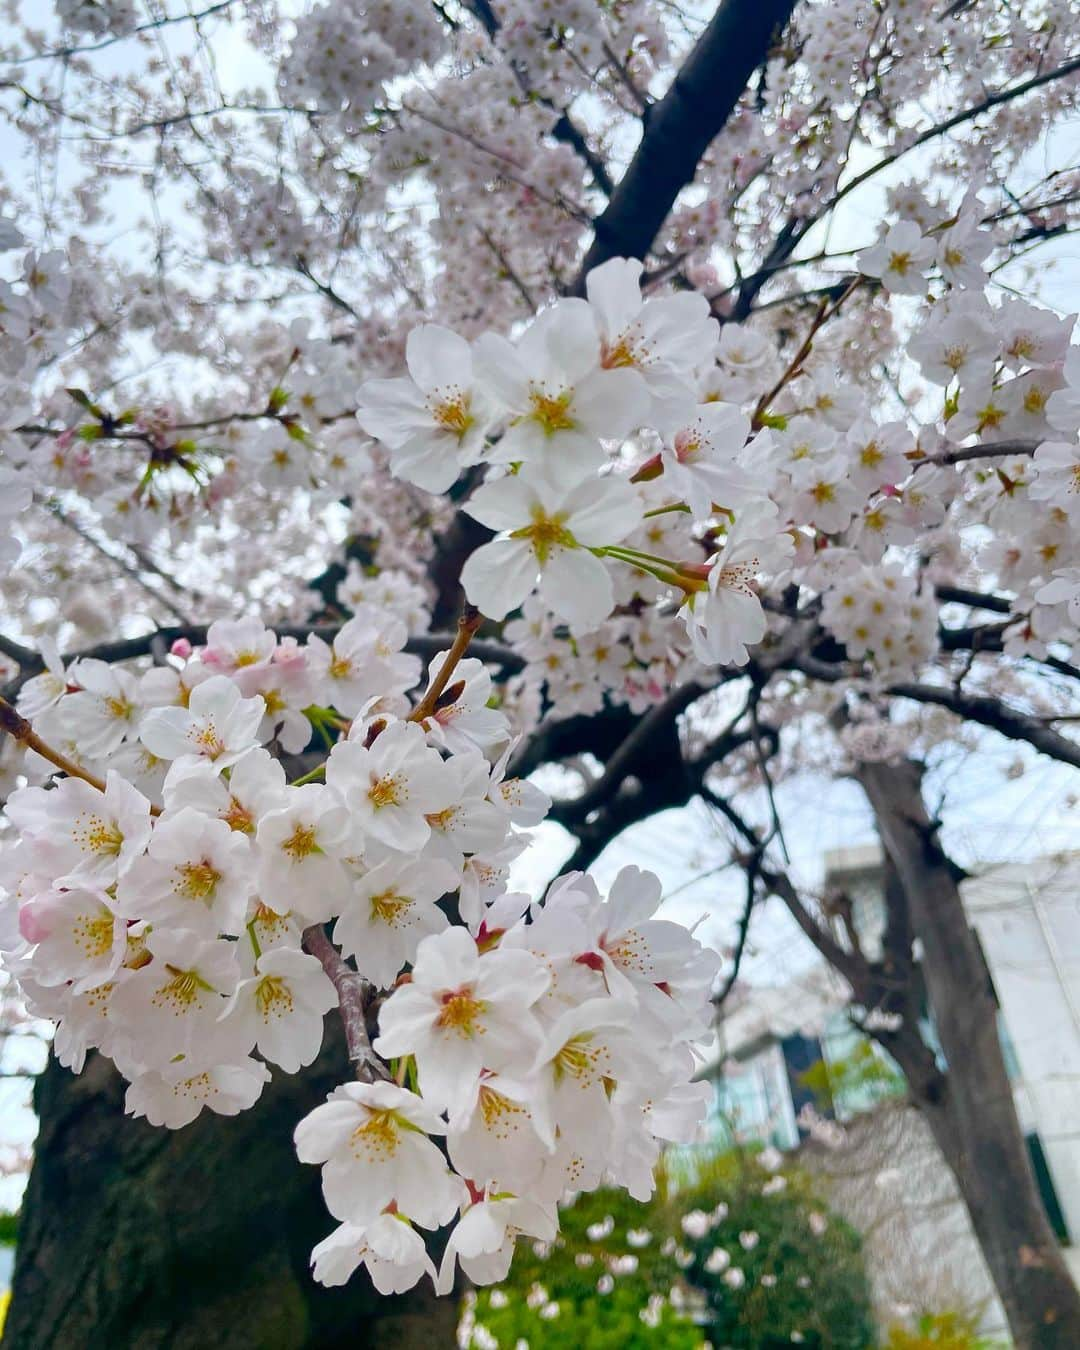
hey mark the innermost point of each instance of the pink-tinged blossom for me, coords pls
(77, 833)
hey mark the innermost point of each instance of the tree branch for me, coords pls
(354, 995)
(680, 128)
(990, 712)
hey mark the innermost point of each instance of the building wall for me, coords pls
(887, 1176)
(1028, 920)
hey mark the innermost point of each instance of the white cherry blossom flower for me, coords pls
(434, 423)
(666, 339)
(44, 690)
(525, 803)
(1031, 335)
(701, 464)
(464, 721)
(961, 251)
(1062, 407)
(78, 833)
(1057, 476)
(171, 1006)
(217, 725)
(727, 618)
(483, 1241)
(299, 849)
(462, 1012)
(588, 1049)
(280, 1009)
(1062, 588)
(559, 400)
(900, 259)
(548, 533)
(173, 1096)
(365, 661)
(105, 710)
(390, 910)
(81, 937)
(491, 1137)
(196, 875)
(472, 823)
(391, 786)
(372, 1141)
(388, 1247)
(959, 341)
(252, 788)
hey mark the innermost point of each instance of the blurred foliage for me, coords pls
(728, 1253)
(588, 1289)
(856, 1081)
(774, 1266)
(9, 1224)
(941, 1331)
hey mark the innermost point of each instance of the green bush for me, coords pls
(599, 1274)
(775, 1268)
(728, 1254)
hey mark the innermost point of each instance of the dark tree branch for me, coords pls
(752, 865)
(975, 1124)
(992, 713)
(680, 128)
(354, 995)
(151, 644)
(630, 754)
(958, 595)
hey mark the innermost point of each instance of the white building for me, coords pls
(1027, 917)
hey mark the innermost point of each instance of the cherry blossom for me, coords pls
(548, 533)
(463, 1011)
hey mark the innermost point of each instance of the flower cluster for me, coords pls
(550, 1046)
(550, 414)
(546, 1045)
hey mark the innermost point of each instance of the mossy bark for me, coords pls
(134, 1238)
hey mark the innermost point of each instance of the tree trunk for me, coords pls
(134, 1238)
(974, 1118)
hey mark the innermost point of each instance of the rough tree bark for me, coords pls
(970, 1106)
(135, 1238)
